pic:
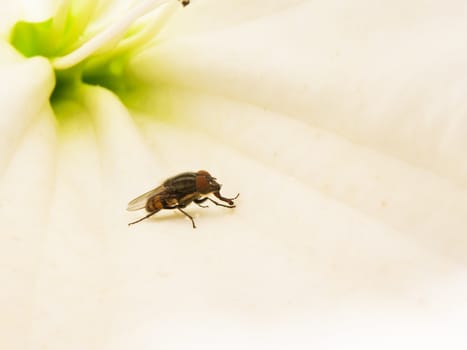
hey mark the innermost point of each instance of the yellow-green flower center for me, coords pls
(84, 48)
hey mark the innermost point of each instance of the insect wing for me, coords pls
(140, 201)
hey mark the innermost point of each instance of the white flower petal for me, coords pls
(27, 146)
(24, 92)
(343, 225)
(394, 161)
(379, 79)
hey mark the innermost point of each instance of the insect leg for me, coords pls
(145, 217)
(199, 201)
(232, 205)
(228, 200)
(188, 215)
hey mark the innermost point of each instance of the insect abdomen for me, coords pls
(154, 204)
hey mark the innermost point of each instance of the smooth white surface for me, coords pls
(344, 130)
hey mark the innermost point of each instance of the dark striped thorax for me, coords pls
(191, 182)
(181, 184)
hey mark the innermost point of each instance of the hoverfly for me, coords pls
(179, 191)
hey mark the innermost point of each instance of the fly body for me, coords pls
(179, 191)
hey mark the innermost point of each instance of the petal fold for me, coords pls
(388, 82)
(24, 92)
